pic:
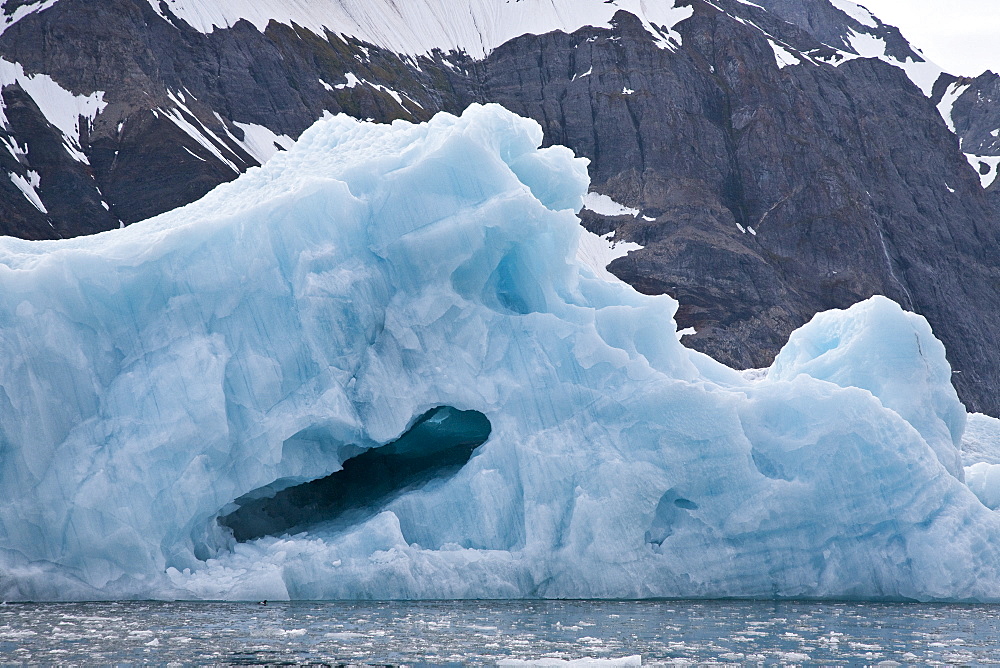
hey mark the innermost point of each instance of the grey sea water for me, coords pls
(488, 632)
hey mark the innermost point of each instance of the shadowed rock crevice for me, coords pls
(436, 447)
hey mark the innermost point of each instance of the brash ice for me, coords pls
(402, 304)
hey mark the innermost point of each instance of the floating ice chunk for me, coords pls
(624, 662)
(316, 318)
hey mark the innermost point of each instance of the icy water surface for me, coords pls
(487, 632)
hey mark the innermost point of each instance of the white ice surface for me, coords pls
(624, 662)
(981, 455)
(984, 481)
(151, 375)
(597, 252)
(418, 27)
(981, 440)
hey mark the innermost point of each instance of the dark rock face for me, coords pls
(765, 193)
(161, 78)
(976, 114)
(72, 201)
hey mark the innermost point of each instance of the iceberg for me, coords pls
(374, 368)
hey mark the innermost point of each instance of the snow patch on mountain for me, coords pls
(947, 103)
(856, 12)
(922, 73)
(605, 206)
(22, 11)
(262, 143)
(418, 27)
(192, 127)
(29, 185)
(985, 166)
(257, 141)
(61, 108)
(353, 81)
(783, 56)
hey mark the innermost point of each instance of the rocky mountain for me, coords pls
(971, 107)
(773, 158)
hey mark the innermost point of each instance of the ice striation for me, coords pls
(375, 368)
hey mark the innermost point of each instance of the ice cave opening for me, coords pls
(438, 445)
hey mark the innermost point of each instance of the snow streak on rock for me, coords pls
(60, 107)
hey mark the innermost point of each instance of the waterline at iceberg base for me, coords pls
(373, 368)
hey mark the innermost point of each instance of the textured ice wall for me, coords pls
(981, 454)
(316, 307)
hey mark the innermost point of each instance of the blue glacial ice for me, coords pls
(374, 368)
(981, 455)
